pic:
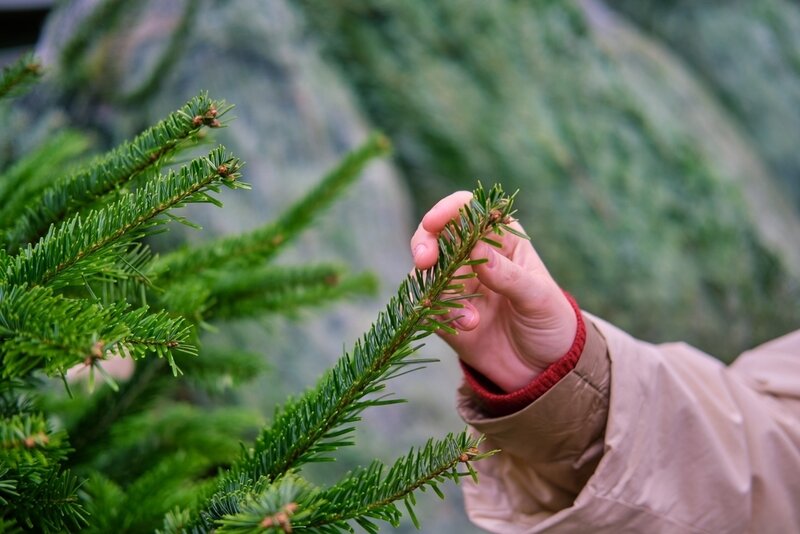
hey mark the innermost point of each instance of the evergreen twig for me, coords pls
(29, 444)
(90, 243)
(263, 243)
(19, 75)
(364, 495)
(264, 289)
(321, 420)
(51, 505)
(40, 330)
(147, 152)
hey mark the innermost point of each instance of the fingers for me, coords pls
(424, 245)
(424, 248)
(466, 321)
(522, 286)
(446, 209)
(466, 318)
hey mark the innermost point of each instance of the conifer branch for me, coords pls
(50, 505)
(321, 420)
(35, 171)
(145, 154)
(43, 331)
(269, 289)
(268, 508)
(28, 443)
(367, 494)
(40, 330)
(8, 487)
(12, 399)
(90, 432)
(19, 75)
(103, 19)
(263, 243)
(89, 243)
(128, 279)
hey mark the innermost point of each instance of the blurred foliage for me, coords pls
(749, 55)
(630, 200)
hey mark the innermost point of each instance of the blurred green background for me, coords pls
(655, 144)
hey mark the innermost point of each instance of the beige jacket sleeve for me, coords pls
(646, 438)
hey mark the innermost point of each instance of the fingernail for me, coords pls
(419, 250)
(465, 318)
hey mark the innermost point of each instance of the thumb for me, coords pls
(525, 289)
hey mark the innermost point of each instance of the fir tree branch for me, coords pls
(43, 331)
(273, 498)
(127, 280)
(19, 75)
(50, 505)
(155, 332)
(8, 487)
(251, 292)
(321, 420)
(146, 153)
(40, 330)
(86, 244)
(36, 170)
(105, 17)
(13, 399)
(367, 494)
(90, 432)
(263, 243)
(28, 443)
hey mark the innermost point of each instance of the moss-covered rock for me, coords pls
(748, 54)
(632, 181)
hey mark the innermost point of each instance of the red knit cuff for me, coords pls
(498, 403)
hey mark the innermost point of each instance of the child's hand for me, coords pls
(523, 322)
